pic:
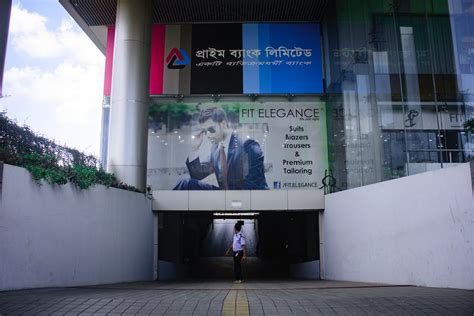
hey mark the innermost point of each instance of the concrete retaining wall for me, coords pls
(415, 230)
(63, 236)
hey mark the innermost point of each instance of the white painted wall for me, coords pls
(63, 236)
(416, 230)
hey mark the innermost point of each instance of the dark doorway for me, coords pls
(279, 244)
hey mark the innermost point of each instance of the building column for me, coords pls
(127, 147)
(5, 10)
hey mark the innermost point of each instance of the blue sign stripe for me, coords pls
(265, 72)
(290, 59)
(251, 75)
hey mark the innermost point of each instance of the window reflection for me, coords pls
(400, 74)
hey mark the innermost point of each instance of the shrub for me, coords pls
(48, 161)
(469, 125)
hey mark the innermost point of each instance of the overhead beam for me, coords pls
(71, 9)
(103, 12)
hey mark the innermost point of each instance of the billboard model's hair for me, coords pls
(216, 114)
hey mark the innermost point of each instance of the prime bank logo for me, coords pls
(177, 59)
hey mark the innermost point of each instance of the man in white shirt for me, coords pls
(239, 250)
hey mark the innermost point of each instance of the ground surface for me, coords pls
(252, 297)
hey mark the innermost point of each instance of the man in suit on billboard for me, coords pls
(236, 163)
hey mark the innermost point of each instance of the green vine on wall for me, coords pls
(50, 162)
(469, 125)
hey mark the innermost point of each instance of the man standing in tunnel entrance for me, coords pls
(239, 250)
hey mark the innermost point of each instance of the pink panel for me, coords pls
(157, 59)
(109, 60)
(156, 62)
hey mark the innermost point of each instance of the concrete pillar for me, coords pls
(127, 148)
(5, 10)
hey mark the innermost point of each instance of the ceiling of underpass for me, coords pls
(93, 16)
(102, 12)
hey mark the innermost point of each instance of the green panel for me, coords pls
(440, 6)
(343, 10)
(417, 6)
(430, 6)
(358, 10)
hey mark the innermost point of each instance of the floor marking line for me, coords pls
(236, 303)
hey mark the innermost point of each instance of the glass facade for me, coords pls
(400, 85)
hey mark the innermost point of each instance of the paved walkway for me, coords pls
(252, 297)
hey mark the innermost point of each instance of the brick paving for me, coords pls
(264, 298)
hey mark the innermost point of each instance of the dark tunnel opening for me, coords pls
(279, 244)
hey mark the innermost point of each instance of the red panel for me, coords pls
(156, 62)
(157, 59)
(109, 60)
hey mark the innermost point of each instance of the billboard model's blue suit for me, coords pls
(245, 168)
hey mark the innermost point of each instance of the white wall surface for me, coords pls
(63, 236)
(239, 200)
(416, 230)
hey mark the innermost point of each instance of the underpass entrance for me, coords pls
(279, 244)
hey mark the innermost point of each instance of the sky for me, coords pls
(53, 75)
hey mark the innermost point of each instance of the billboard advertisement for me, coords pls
(237, 146)
(231, 59)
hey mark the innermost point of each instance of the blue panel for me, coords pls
(251, 80)
(265, 71)
(290, 60)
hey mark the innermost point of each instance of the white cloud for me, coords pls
(30, 36)
(62, 102)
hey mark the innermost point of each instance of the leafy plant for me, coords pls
(469, 125)
(83, 177)
(48, 161)
(232, 111)
(173, 115)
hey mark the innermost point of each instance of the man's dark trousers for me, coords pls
(238, 265)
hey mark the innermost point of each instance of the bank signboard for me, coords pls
(232, 59)
(256, 58)
(237, 146)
